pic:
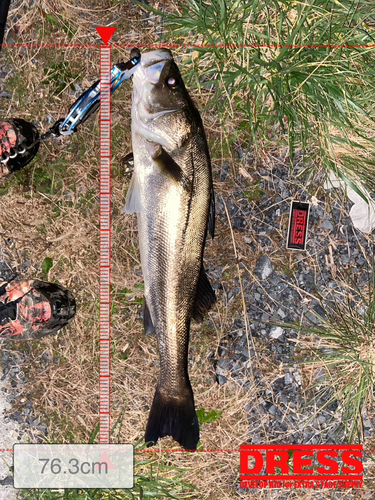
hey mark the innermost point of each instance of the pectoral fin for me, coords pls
(205, 297)
(170, 168)
(133, 198)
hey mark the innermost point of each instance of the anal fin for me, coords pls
(147, 320)
(205, 296)
(211, 215)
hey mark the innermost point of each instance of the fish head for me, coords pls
(162, 110)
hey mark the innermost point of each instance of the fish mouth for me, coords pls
(146, 76)
(154, 57)
(148, 71)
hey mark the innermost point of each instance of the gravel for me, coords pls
(14, 379)
(18, 420)
(275, 293)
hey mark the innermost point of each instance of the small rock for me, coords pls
(222, 351)
(8, 481)
(224, 364)
(275, 281)
(272, 409)
(345, 259)
(312, 318)
(243, 353)
(276, 332)
(263, 268)
(326, 224)
(283, 399)
(17, 416)
(360, 261)
(281, 313)
(318, 309)
(288, 379)
(367, 423)
(224, 170)
(221, 379)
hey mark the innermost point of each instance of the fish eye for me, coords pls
(173, 82)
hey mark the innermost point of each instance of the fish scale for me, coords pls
(172, 194)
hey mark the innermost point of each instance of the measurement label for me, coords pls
(73, 466)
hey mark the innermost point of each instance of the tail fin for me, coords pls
(168, 418)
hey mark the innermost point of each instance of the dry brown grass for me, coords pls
(51, 210)
(42, 222)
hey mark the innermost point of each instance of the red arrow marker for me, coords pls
(105, 32)
(104, 459)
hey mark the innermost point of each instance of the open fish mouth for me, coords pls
(155, 56)
(150, 67)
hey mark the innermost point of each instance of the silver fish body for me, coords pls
(171, 191)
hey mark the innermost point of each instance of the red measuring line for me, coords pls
(204, 45)
(105, 245)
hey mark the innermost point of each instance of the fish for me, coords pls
(171, 191)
